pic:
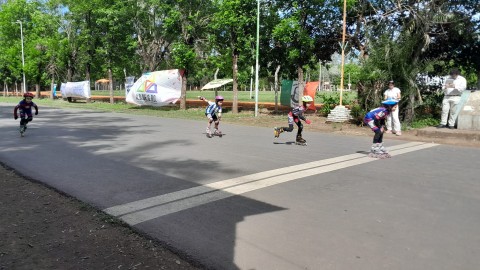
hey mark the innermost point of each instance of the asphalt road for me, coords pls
(245, 202)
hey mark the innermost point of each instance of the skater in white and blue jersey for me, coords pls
(214, 113)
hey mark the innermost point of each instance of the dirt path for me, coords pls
(43, 229)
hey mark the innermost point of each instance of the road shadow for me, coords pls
(109, 160)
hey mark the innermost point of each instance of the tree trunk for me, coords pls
(87, 78)
(410, 110)
(110, 85)
(235, 84)
(183, 93)
(37, 90)
(69, 71)
(478, 80)
(5, 88)
(276, 88)
(215, 77)
(301, 84)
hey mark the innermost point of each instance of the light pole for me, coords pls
(256, 58)
(343, 48)
(23, 57)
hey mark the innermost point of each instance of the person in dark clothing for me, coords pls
(25, 109)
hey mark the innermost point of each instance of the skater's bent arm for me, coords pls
(204, 99)
(15, 115)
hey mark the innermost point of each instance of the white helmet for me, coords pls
(307, 99)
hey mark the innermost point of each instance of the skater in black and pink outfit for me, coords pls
(25, 108)
(375, 119)
(294, 116)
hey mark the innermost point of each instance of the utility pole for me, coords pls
(343, 48)
(23, 57)
(256, 58)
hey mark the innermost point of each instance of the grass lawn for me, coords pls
(263, 96)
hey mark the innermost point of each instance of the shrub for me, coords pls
(425, 122)
(331, 99)
(357, 114)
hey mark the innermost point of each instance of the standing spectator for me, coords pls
(453, 88)
(393, 93)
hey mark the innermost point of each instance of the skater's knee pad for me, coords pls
(23, 121)
(300, 126)
(378, 138)
(30, 118)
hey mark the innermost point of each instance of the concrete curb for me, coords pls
(446, 133)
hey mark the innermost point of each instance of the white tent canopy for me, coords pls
(216, 83)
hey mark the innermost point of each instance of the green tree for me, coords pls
(155, 31)
(234, 25)
(193, 18)
(14, 12)
(116, 42)
(398, 38)
(307, 30)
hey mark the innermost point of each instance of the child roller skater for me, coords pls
(375, 119)
(25, 108)
(214, 113)
(294, 116)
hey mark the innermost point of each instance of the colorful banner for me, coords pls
(311, 90)
(129, 81)
(289, 93)
(158, 88)
(76, 89)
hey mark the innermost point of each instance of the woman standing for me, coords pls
(393, 93)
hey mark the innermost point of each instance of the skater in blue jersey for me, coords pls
(25, 108)
(214, 113)
(375, 119)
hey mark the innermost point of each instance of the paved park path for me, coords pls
(249, 201)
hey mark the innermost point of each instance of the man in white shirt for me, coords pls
(453, 88)
(393, 93)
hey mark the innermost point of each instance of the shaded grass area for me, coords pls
(172, 111)
(265, 117)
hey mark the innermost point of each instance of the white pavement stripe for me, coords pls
(178, 195)
(162, 205)
(154, 201)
